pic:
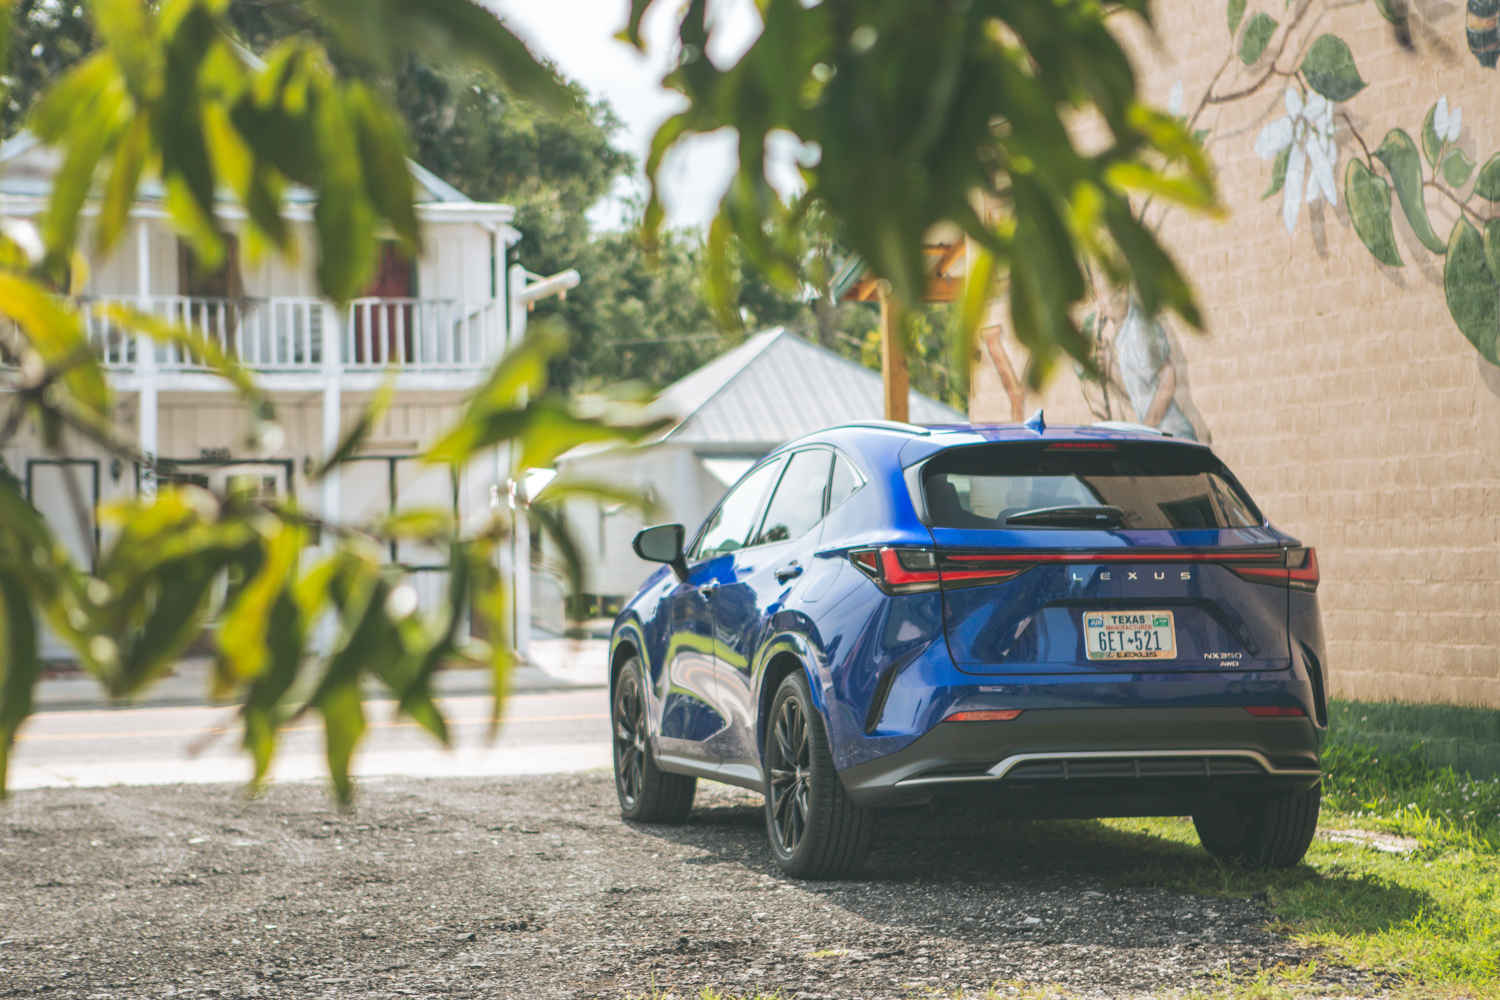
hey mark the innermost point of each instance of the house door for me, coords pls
(382, 327)
(66, 492)
(377, 485)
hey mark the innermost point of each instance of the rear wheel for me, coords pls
(647, 793)
(815, 831)
(1269, 832)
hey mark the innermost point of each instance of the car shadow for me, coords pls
(1078, 878)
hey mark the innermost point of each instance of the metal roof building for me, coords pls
(774, 387)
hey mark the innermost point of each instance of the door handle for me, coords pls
(789, 571)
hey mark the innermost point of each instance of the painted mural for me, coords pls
(1411, 162)
(1316, 151)
(1139, 373)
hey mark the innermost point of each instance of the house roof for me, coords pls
(28, 167)
(777, 386)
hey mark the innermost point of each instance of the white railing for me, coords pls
(286, 334)
(419, 333)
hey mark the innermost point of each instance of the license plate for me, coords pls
(1129, 635)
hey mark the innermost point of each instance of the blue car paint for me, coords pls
(848, 636)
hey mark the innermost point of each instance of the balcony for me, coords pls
(284, 336)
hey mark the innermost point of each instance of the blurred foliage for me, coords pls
(169, 97)
(970, 113)
(957, 111)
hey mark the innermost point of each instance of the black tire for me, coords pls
(1270, 832)
(647, 793)
(815, 831)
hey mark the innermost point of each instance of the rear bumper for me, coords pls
(1097, 762)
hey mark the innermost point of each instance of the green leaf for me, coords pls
(1488, 184)
(57, 334)
(1492, 245)
(243, 642)
(383, 149)
(1473, 297)
(1399, 154)
(1369, 199)
(1278, 173)
(1457, 168)
(1329, 69)
(1235, 12)
(1431, 144)
(447, 31)
(345, 221)
(1255, 38)
(20, 668)
(124, 178)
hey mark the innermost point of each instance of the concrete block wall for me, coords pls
(1340, 389)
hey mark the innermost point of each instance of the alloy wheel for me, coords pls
(630, 738)
(791, 775)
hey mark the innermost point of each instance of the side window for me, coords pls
(731, 524)
(798, 503)
(845, 482)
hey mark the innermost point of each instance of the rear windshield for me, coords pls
(1153, 486)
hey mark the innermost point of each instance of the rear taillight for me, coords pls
(912, 570)
(1298, 570)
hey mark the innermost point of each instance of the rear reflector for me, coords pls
(1274, 711)
(985, 715)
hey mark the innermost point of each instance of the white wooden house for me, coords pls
(439, 323)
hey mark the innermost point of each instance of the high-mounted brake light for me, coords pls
(1082, 446)
(1275, 711)
(913, 570)
(985, 715)
(1298, 570)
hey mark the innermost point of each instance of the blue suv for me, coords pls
(1078, 621)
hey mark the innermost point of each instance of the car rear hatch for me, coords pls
(1094, 557)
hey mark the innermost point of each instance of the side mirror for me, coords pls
(662, 543)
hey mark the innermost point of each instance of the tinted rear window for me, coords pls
(1156, 486)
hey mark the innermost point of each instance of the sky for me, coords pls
(578, 35)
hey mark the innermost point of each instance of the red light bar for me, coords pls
(985, 715)
(1082, 446)
(1274, 711)
(1030, 558)
(1298, 569)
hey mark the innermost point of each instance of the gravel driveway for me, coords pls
(534, 888)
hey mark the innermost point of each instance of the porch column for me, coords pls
(521, 559)
(145, 360)
(519, 549)
(333, 371)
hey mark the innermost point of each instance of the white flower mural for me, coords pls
(1447, 124)
(1305, 137)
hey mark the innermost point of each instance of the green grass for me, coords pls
(1465, 739)
(1430, 918)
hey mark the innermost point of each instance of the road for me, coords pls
(541, 733)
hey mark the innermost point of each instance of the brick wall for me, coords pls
(1340, 389)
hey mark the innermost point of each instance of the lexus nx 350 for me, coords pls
(1077, 621)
